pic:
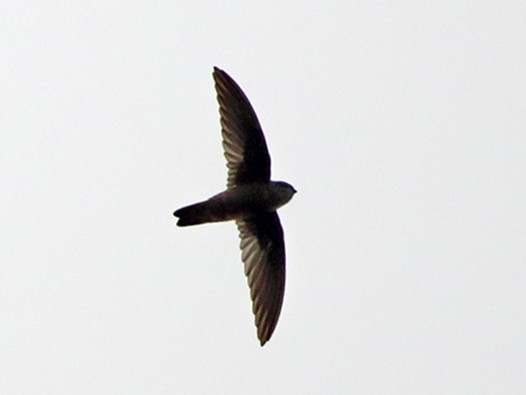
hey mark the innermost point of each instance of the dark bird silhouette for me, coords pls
(251, 199)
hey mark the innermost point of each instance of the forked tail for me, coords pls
(195, 214)
(198, 213)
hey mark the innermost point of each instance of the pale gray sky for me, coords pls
(401, 125)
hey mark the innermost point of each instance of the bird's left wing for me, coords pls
(263, 254)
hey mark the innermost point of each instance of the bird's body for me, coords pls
(251, 199)
(238, 203)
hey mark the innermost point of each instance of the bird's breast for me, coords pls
(246, 201)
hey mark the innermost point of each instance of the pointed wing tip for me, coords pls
(263, 339)
(221, 77)
(217, 71)
(218, 75)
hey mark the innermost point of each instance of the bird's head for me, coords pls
(284, 190)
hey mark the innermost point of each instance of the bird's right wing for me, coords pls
(245, 148)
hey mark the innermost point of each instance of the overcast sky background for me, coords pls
(402, 126)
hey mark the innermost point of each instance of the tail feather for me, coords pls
(191, 215)
(194, 214)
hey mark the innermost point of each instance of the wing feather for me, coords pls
(263, 254)
(244, 144)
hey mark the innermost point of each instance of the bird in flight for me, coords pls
(251, 200)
